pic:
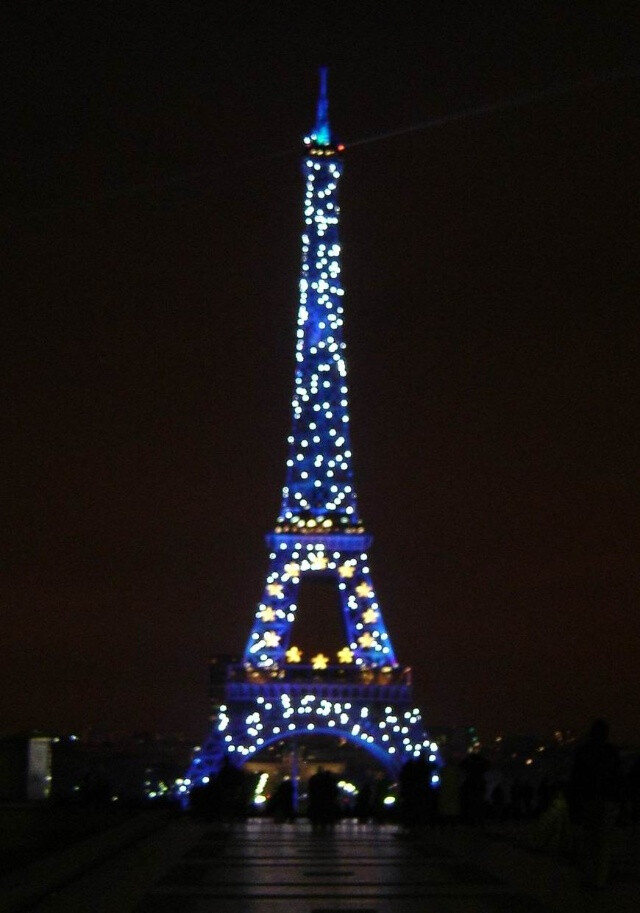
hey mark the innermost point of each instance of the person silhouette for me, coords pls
(633, 792)
(364, 802)
(596, 788)
(472, 792)
(323, 800)
(283, 805)
(448, 803)
(416, 798)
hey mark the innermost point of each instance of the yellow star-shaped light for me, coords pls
(271, 639)
(294, 655)
(364, 590)
(319, 661)
(346, 570)
(345, 655)
(369, 616)
(366, 640)
(274, 589)
(292, 569)
(318, 562)
(267, 614)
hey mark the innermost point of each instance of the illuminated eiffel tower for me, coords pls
(363, 695)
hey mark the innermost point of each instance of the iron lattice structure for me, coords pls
(365, 696)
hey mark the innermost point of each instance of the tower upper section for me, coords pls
(319, 495)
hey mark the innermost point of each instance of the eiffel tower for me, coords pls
(363, 695)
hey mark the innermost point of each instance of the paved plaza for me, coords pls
(187, 867)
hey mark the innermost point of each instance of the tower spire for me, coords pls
(322, 131)
(319, 494)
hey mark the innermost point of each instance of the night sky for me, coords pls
(152, 216)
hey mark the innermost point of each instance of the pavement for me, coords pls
(257, 866)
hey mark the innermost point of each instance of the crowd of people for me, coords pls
(574, 816)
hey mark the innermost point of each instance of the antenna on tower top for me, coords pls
(322, 132)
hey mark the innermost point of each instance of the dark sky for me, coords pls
(152, 216)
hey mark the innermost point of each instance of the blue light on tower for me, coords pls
(319, 529)
(361, 694)
(322, 133)
(319, 489)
